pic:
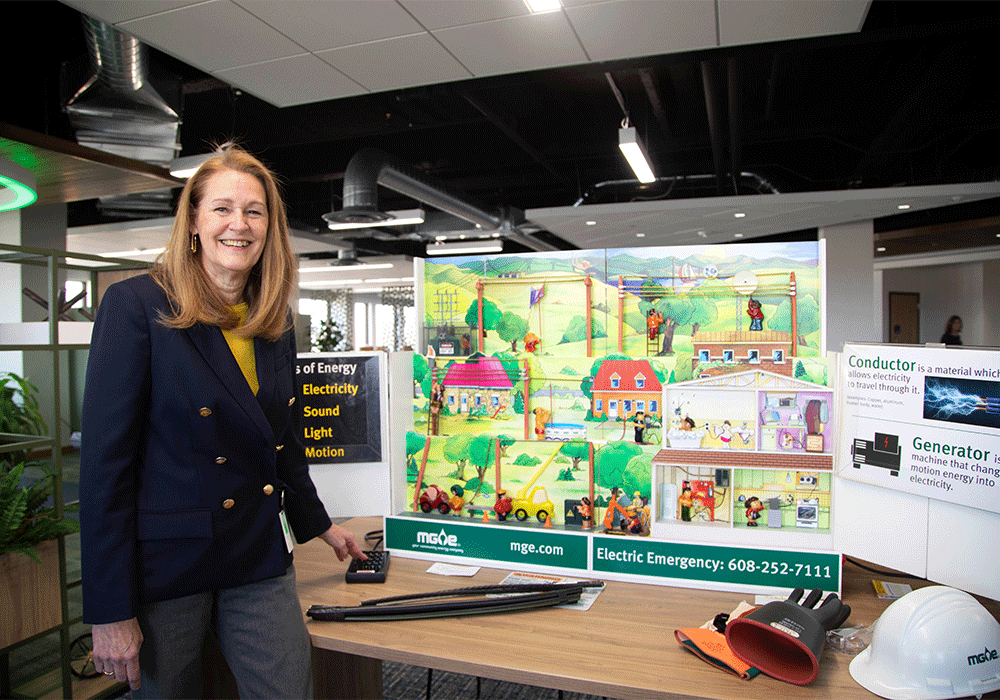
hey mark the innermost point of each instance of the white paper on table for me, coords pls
(586, 599)
(452, 570)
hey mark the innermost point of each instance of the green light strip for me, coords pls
(22, 194)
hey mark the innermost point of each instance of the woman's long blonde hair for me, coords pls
(193, 297)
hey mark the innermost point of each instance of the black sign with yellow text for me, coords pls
(339, 399)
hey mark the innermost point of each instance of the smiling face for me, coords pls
(231, 223)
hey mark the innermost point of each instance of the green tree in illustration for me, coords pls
(422, 374)
(577, 450)
(456, 450)
(638, 475)
(611, 461)
(807, 312)
(800, 370)
(511, 328)
(526, 460)
(491, 315)
(482, 456)
(505, 442)
(683, 368)
(576, 331)
(676, 310)
(415, 443)
(704, 312)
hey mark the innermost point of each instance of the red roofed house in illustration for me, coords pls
(477, 382)
(623, 387)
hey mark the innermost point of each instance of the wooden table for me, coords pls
(623, 647)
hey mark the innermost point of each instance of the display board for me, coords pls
(340, 398)
(923, 420)
(647, 402)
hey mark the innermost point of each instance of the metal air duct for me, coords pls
(117, 109)
(371, 167)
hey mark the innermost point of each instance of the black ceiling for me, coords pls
(912, 99)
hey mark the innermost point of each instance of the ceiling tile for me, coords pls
(213, 36)
(416, 59)
(742, 22)
(439, 14)
(616, 30)
(514, 44)
(327, 24)
(291, 81)
(115, 12)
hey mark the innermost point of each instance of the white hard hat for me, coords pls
(934, 642)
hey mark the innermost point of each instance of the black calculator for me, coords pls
(370, 571)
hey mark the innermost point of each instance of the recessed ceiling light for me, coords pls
(880, 249)
(591, 223)
(737, 235)
(537, 6)
(903, 206)
(739, 215)
(640, 235)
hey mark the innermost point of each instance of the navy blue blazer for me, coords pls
(183, 470)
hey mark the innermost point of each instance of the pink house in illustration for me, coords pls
(479, 382)
(623, 387)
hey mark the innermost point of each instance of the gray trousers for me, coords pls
(260, 631)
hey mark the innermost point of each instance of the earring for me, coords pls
(194, 243)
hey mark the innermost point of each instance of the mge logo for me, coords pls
(987, 655)
(439, 538)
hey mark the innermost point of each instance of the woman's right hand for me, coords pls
(116, 650)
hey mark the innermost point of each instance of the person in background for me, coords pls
(951, 331)
(193, 479)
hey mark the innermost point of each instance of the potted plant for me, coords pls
(19, 414)
(29, 524)
(328, 336)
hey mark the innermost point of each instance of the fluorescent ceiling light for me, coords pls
(346, 268)
(466, 247)
(537, 6)
(398, 218)
(635, 154)
(132, 253)
(187, 166)
(17, 186)
(330, 283)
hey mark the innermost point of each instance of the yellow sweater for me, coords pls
(242, 348)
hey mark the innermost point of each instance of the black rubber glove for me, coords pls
(785, 639)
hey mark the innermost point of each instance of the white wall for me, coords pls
(944, 290)
(850, 284)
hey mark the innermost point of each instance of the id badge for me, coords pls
(289, 542)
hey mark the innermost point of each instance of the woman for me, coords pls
(192, 474)
(951, 331)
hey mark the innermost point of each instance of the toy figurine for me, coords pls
(586, 511)
(466, 344)
(503, 505)
(637, 501)
(684, 504)
(531, 342)
(755, 314)
(437, 399)
(640, 426)
(653, 320)
(457, 499)
(618, 503)
(541, 418)
(754, 508)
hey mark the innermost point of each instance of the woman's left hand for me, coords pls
(343, 543)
